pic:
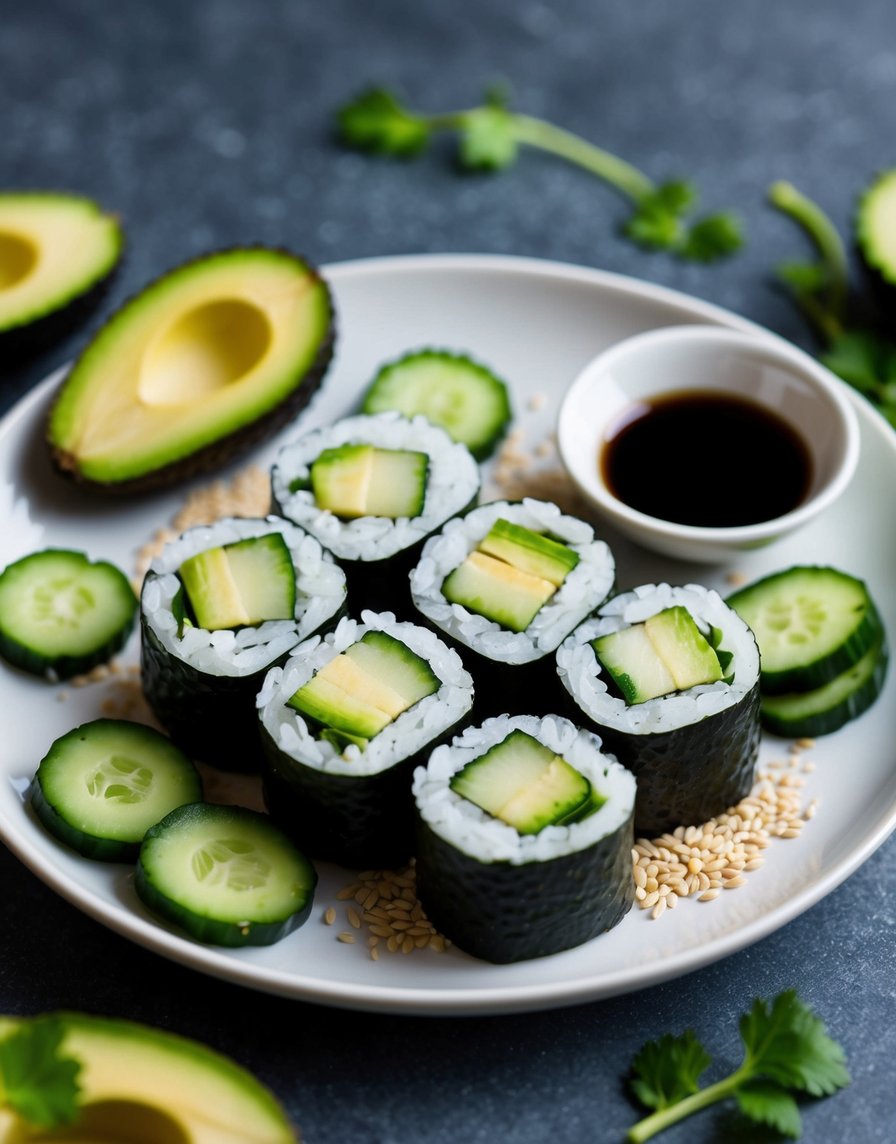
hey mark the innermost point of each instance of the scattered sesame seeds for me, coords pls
(735, 579)
(537, 401)
(385, 901)
(701, 861)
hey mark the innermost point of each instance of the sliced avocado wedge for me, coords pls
(204, 362)
(58, 254)
(239, 584)
(139, 1084)
(366, 687)
(529, 551)
(497, 590)
(666, 653)
(525, 784)
(363, 480)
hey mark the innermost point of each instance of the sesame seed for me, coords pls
(329, 916)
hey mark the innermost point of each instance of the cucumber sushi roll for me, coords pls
(371, 489)
(669, 679)
(221, 605)
(524, 837)
(344, 721)
(509, 581)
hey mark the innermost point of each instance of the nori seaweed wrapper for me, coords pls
(502, 912)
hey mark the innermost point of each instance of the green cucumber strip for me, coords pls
(101, 786)
(811, 623)
(450, 390)
(825, 709)
(225, 874)
(61, 615)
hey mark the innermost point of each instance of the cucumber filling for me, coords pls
(239, 584)
(665, 654)
(362, 480)
(364, 689)
(510, 575)
(526, 785)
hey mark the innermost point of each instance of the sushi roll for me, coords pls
(669, 679)
(220, 606)
(509, 581)
(371, 489)
(524, 837)
(344, 722)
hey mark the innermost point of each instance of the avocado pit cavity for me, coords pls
(18, 257)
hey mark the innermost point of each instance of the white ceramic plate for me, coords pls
(536, 323)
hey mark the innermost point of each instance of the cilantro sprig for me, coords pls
(38, 1081)
(787, 1051)
(489, 139)
(852, 347)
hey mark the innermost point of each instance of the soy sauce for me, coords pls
(705, 458)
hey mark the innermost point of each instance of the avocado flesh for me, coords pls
(141, 1085)
(525, 784)
(666, 653)
(497, 590)
(362, 480)
(366, 687)
(54, 248)
(238, 584)
(529, 551)
(205, 361)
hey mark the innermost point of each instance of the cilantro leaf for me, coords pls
(787, 1043)
(713, 237)
(377, 122)
(487, 141)
(803, 277)
(766, 1103)
(669, 1069)
(37, 1080)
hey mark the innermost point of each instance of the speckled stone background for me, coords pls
(209, 123)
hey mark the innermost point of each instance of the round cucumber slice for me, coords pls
(811, 623)
(61, 615)
(826, 709)
(462, 396)
(101, 786)
(226, 875)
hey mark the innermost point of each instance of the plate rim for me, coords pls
(429, 1001)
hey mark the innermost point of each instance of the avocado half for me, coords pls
(203, 363)
(58, 256)
(140, 1085)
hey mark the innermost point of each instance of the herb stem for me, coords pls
(829, 245)
(703, 1098)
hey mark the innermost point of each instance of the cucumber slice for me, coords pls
(462, 396)
(811, 623)
(225, 874)
(103, 785)
(828, 708)
(61, 615)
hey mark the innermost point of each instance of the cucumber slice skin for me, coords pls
(63, 820)
(807, 670)
(406, 385)
(235, 823)
(826, 709)
(18, 647)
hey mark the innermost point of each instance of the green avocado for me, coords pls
(58, 254)
(206, 361)
(140, 1085)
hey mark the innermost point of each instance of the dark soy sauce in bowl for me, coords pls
(706, 458)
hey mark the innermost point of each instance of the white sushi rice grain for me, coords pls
(584, 588)
(452, 483)
(580, 671)
(409, 733)
(320, 592)
(479, 835)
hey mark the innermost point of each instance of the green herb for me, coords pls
(855, 351)
(489, 139)
(37, 1080)
(786, 1050)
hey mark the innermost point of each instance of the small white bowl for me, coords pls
(625, 379)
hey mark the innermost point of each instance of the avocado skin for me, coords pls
(225, 449)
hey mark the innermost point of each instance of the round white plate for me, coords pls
(536, 323)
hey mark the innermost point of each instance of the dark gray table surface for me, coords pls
(207, 124)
